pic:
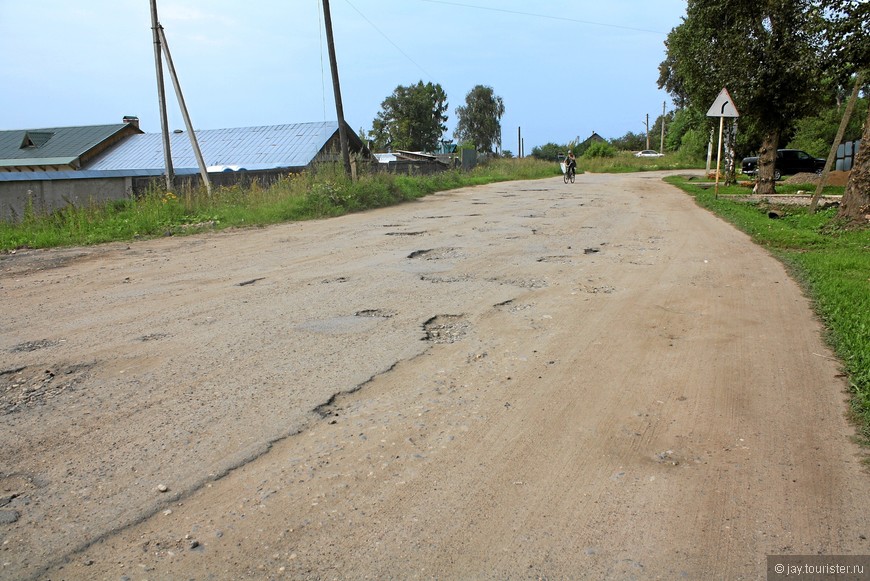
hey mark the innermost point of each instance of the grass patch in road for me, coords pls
(832, 263)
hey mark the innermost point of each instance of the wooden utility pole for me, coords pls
(647, 130)
(342, 132)
(161, 95)
(662, 148)
(832, 155)
(203, 172)
(519, 142)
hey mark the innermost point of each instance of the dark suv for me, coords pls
(788, 162)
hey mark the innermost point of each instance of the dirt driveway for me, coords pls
(516, 381)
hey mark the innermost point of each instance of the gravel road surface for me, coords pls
(523, 380)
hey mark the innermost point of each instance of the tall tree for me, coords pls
(849, 50)
(412, 118)
(479, 121)
(765, 52)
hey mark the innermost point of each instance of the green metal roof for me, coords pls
(53, 145)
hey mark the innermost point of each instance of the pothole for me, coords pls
(514, 307)
(32, 346)
(446, 279)
(435, 254)
(603, 289)
(532, 283)
(556, 259)
(377, 313)
(446, 328)
(153, 337)
(29, 387)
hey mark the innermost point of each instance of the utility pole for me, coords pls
(161, 95)
(832, 155)
(662, 148)
(203, 172)
(342, 133)
(519, 142)
(647, 130)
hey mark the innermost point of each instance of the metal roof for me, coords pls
(274, 146)
(53, 145)
(28, 176)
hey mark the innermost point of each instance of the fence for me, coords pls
(846, 153)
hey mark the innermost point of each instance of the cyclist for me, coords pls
(570, 163)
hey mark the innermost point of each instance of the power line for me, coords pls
(547, 16)
(372, 24)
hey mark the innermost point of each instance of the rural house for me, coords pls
(126, 161)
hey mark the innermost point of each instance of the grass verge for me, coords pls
(324, 193)
(626, 162)
(831, 262)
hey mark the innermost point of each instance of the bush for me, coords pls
(549, 151)
(600, 149)
(694, 144)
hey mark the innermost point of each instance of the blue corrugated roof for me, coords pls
(274, 146)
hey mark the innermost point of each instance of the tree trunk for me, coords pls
(765, 184)
(855, 206)
(730, 153)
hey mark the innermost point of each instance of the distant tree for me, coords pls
(630, 142)
(685, 120)
(479, 121)
(599, 149)
(815, 133)
(412, 118)
(766, 53)
(549, 151)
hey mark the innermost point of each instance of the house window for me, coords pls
(35, 139)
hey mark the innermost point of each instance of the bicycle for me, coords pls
(569, 173)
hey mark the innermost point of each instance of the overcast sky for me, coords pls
(563, 68)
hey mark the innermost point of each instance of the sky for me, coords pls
(563, 69)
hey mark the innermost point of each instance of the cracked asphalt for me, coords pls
(521, 380)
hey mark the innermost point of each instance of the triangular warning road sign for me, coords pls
(723, 106)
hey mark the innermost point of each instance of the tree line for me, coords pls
(414, 117)
(788, 64)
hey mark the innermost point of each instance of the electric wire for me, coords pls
(547, 16)
(372, 24)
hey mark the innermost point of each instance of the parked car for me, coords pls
(648, 153)
(788, 162)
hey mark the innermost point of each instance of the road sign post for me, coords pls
(722, 107)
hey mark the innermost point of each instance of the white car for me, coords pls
(648, 153)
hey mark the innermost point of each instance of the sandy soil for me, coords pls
(516, 381)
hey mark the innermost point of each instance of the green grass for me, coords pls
(832, 263)
(324, 193)
(625, 162)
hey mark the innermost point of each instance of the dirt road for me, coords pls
(516, 381)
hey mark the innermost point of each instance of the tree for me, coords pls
(479, 121)
(549, 151)
(412, 118)
(849, 45)
(630, 141)
(766, 53)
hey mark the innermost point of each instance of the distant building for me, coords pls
(594, 138)
(97, 163)
(60, 148)
(412, 162)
